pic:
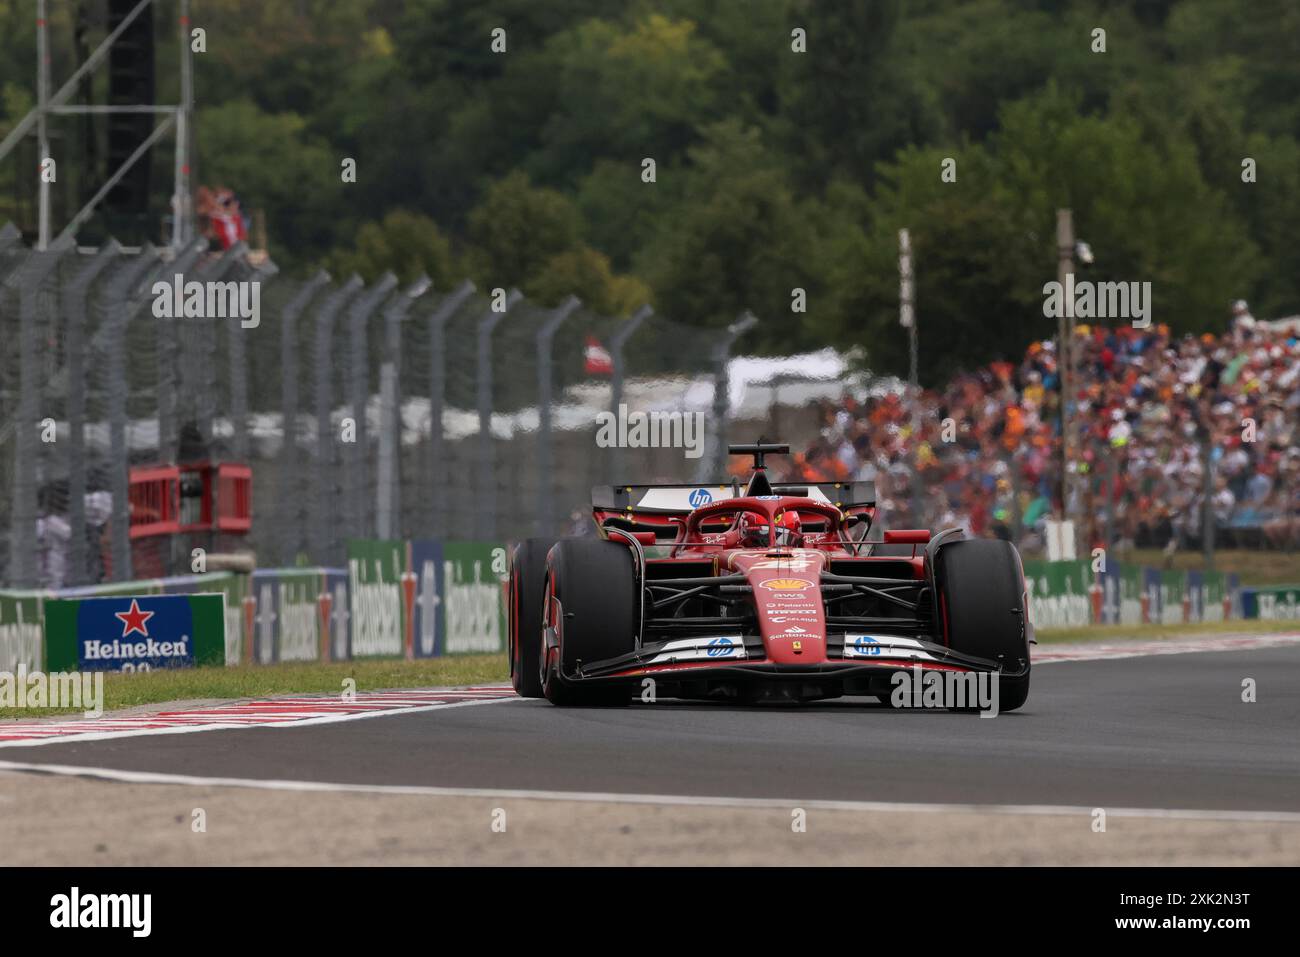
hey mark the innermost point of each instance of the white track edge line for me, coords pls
(679, 800)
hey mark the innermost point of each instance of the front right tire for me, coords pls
(982, 607)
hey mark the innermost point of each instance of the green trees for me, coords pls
(791, 139)
(273, 163)
(405, 243)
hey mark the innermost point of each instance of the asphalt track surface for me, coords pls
(1166, 732)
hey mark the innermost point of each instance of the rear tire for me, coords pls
(527, 576)
(594, 613)
(981, 601)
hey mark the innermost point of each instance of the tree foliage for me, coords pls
(776, 168)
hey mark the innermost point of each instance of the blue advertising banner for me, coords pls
(426, 565)
(1111, 581)
(336, 615)
(157, 634)
(265, 593)
(1151, 594)
(287, 617)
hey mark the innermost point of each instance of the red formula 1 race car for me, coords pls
(762, 593)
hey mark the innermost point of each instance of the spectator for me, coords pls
(1144, 404)
(220, 218)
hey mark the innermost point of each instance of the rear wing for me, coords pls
(681, 499)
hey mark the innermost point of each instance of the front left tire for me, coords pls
(592, 611)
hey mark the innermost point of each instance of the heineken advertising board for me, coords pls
(1278, 603)
(474, 604)
(376, 572)
(135, 632)
(426, 598)
(293, 611)
(1060, 593)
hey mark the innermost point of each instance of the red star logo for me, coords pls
(134, 619)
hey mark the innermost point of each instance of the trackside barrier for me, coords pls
(21, 631)
(24, 620)
(146, 633)
(395, 598)
(1277, 603)
(427, 597)
(298, 614)
(1072, 594)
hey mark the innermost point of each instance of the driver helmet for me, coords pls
(753, 530)
(789, 529)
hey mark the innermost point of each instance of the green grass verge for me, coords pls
(1111, 632)
(250, 681)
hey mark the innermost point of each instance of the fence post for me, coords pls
(168, 361)
(75, 337)
(437, 479)
(22, 538)
(355, 494)
(239, 365)
(10, 238)
(388, 487)
(616, 343)
(485, 514)
(385, 460)
(202, 343)
(321, 525)
(289, 512)
(721, 397)
(122, 288)
(545, 338)
(237, 357)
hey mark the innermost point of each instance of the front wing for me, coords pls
(738, 657)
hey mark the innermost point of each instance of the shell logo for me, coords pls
(786, 584)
